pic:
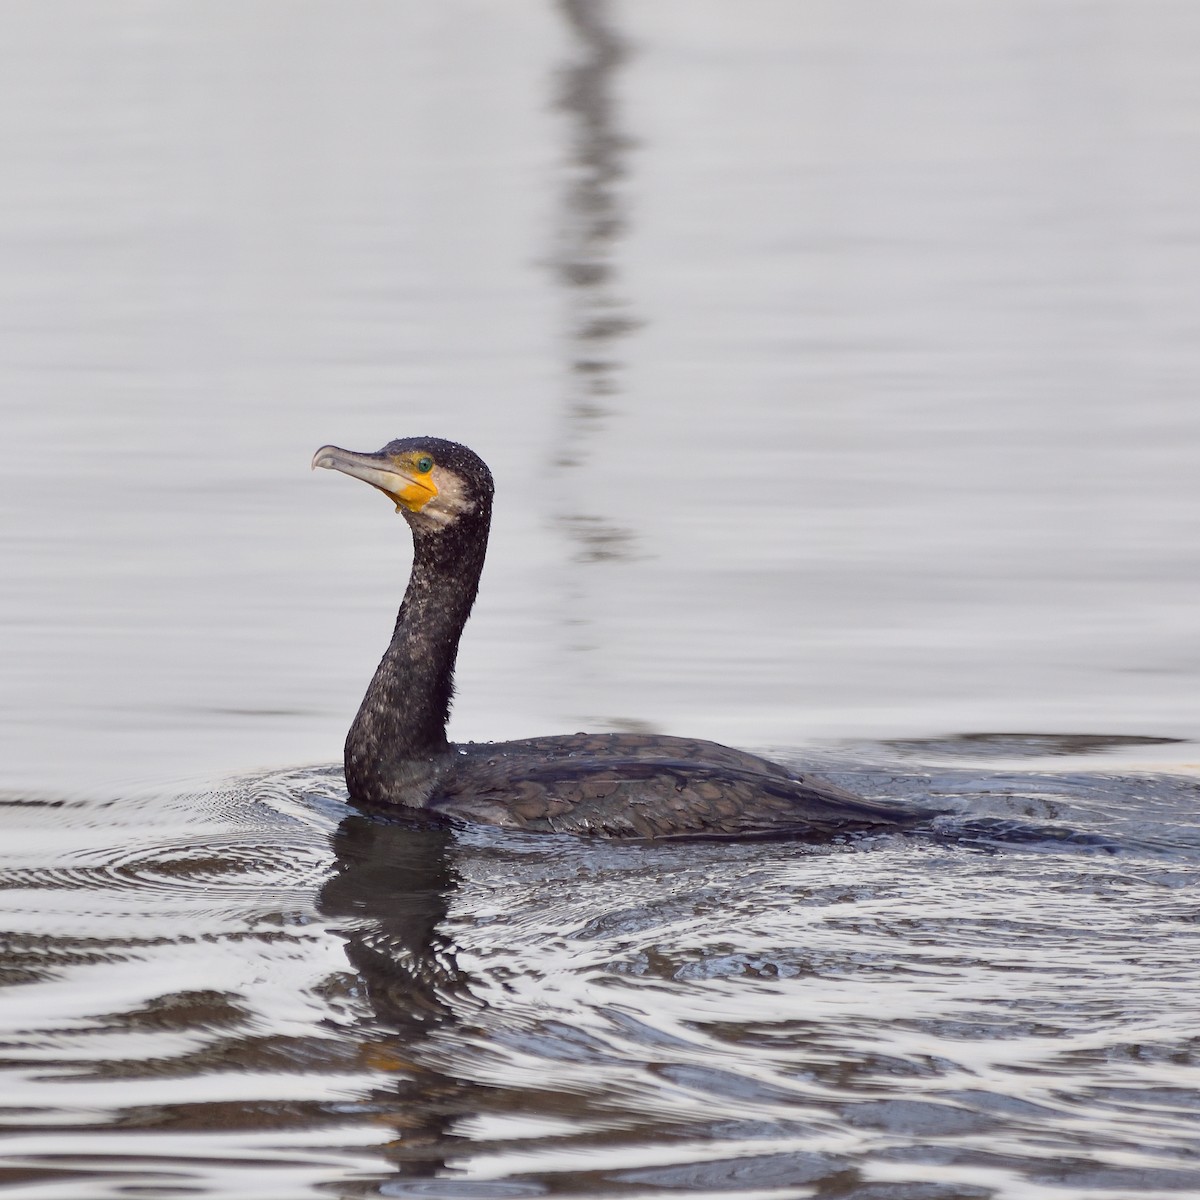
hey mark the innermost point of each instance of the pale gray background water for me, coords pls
(901, 437)
(837, 363)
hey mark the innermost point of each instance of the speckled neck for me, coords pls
(399, 735)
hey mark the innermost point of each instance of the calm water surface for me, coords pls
(837, 365)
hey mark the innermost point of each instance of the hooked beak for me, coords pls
(381, 471)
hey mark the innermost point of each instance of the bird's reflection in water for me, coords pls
(391, 886)
(394, 877)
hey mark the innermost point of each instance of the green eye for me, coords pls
(424, 464)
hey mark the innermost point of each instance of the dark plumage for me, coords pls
(611, 785)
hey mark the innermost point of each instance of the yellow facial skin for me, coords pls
(415, 471)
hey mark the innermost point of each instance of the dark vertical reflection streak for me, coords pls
(584, 261)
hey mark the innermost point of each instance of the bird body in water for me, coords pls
(609, 785)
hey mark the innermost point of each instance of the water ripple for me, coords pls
(470, 1012)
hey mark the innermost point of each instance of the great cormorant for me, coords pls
(611, 785)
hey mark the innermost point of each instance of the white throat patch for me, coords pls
(447, 506)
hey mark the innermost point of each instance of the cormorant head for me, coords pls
(431, 481)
